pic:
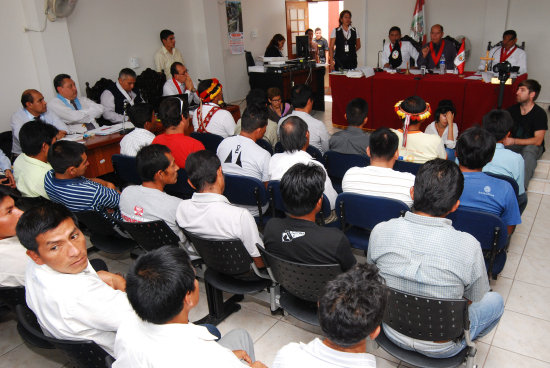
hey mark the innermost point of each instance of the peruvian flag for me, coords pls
(418, 26)
(460, 59)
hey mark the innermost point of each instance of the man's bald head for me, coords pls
(436, 33)
(293, 134)
(33, 101)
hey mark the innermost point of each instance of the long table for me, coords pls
(472, 98)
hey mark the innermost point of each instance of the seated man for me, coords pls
(301, 98)
(431, 53)
(174, 114)
(180, 83)
(508, 51)
(208, 213)
(5, 167)
(79, 113)
(240, 155)
(406, 50)
(31, 166)
(142, 116)
(475, 149)
(353, 140)
(350, 311)
(13, 259)
(209, 117)
(295, 139)
(167, 54)
(505, 162)
(258, 98)
(118, 96)
(70, 299)
(414, 145)
(156, 335)
(530, 126)
(66, 183)
(421, 253)
(34, 108)
(379, 178)
(297, 237)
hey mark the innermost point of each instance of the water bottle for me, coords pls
(442, 66)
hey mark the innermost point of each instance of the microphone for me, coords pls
(379, 52)
(493, 54)
(489, 46)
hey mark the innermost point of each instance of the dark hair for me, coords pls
(437, 186)
(498, 123)
(158, 282)
(510, 32)
(352, 305)
(34, 134)
(300, 95)
(26, 96)
(64, 154)
(413, 104)
(475, 148)
(395, 28)
(356, 111)
(293, 134)
(532, 85)
(165, 33)
(150, 159)
(307, 30)
(443, 107)
(173, 67)
(254, 117)
(58, 80)
(273, 92)
(301, 187)
(383, 143)
(171, 109)
(275, 40)
(125, 73)
(256, 97)
(202, 168)
(342, 13)
(40, 219)
(140, 114)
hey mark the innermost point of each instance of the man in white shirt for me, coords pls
(407, 50)
(79, 113)
(294, 137)
(180, 83)
(302, 99)
(13, 259)
(167, 54)
(70, 299)
(161, 335)
(240, 155)
(379, 179)
(118, 96)
(34, 108)
(507, 51)
(142, 116)
(209, 117)
(350, 312)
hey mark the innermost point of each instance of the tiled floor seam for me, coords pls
(262, 335)
(12, 349)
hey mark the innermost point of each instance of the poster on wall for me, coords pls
(235, 26)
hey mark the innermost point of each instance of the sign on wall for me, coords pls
(235, 26)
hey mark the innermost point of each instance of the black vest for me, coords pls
(342, 59)
(120, 98)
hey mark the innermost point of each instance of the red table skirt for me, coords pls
(472, 98)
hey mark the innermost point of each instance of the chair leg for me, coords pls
(218, 310)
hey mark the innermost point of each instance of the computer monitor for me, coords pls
(302, 46)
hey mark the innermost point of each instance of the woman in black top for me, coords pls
(275, 47)
(344, 44)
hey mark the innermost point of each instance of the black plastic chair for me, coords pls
(313, 152)
(126, 169)
(265, 145)
(181, 189)
(249, 60)
(489, 230)
(428, 319)
(337, 164)
(301, 284)
(12, 295)
(228, 269)
(405, 166)
(247, 191)
(209, 140)
(151, 235)
(508, 179)
(81, 354)
(360, 213)
(103, 234)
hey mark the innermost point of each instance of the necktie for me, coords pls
(74, 104)
(37, 118)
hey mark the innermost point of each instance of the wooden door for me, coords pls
(297, 21)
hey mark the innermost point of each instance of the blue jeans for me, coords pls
(484, 316)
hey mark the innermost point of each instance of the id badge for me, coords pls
(346, 48)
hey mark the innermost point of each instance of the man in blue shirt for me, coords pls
(475, 149)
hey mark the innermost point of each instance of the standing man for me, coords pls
(116, 96)
(322, 46)
(530, 125)
(508, 51)
(431, 52)
(408, 51)
(167, 54)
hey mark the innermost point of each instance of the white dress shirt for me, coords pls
(517, 58)
(222, 122)
(407, 51)
(76, 118)
(108, 101)
(431, 129)
(135, 140)
(23, 115)
(281, 162)
(318, 134)
(75, 306)
(170, 89)
(13, 262)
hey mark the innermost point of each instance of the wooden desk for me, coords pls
(100, 150)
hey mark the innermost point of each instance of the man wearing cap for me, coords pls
(210, 117)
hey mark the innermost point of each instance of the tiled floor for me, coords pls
(520, 339)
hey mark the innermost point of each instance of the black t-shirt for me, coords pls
(525, 126)
(305, 242)
(322, 46)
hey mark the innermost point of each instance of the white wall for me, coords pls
(318, 17)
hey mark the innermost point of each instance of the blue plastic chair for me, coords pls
(209, 140)
(126, 168)
(489, 230)
(360, 213)
(313, 152)
(247, 191)
(265, 145)
(405, 166)
(337, 164)
(181, 189)
(509, 179)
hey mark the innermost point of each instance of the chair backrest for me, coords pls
(94, 93)
(265, 145)
(249, 58)
(12, 295)
(151, 235)
(228, 257)
(6, 141)
(509, 179)
(304, 281)
(149, 84)
(125, 168)
(337, 164)
(181, 189)
(97, 223)
(209, 140)
(428, 319)
(82, 354)
(278, 148)
(276, 199)
(367, 211)
(405, 166)
(245, 190)
(454, 41)
(315, 153)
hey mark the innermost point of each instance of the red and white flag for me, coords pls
(460, 59)
(418, 25)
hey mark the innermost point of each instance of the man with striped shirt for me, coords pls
(379, 178)
(66, 183)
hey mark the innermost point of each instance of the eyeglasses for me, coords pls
(186, 71)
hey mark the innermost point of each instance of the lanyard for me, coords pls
(505, 55)
(436, 58)
(399, 47)
(177, 85)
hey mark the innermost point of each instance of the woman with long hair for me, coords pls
(275, 46)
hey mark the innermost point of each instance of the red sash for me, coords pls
(436, 58)
(177, 86)
(391, 47)
(505, 55)
(203, 123)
